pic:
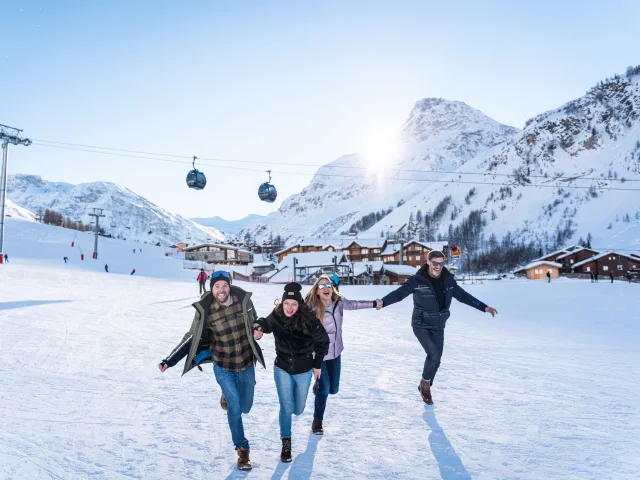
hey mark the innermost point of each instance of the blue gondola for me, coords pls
(267, 192)
(196, 179)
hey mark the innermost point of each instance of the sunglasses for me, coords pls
(221, 274)
(437, 264)
(322, 286)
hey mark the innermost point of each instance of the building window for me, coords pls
(571, 261)
(588, 269)
(376, 250)
(365, 251)
(605, 268)
(418, 258)
(619, 267)
(411, 259)
(536, 271)
(404, 257)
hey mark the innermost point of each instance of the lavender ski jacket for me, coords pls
(332, 323)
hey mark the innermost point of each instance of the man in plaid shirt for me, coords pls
(222, 333)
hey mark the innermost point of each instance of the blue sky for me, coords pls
(268, 81)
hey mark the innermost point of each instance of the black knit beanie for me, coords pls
(292, 292)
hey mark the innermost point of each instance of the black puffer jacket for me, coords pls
(295, 349)
(426, 310)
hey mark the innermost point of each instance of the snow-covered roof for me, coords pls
(314, 242)
(311, 259)
(218, 245)
(569, 249)
(430, 245)
(263, 264)
(400, 269)
(361, 267)
(579, 249)
(390, 250)
(539, 263)
(367, 242)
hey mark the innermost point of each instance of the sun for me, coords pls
(379, 147)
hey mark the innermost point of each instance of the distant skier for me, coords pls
(140, 250)
(433, 288)
(65, 259)
(611, 276)
(6, 258)
(335, 279)
(591, 275)
(134, 250)
(548, 276)
(629, 277)
(133, 271)
(595, 276)
(106, 268)
(202, 281)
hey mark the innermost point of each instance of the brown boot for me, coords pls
(316, 427)
(243, 459)
(285, 455)
(223, 403)
(425, 391)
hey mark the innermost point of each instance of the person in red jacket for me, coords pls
(202, 281)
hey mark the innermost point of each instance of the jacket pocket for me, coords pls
(423, 319)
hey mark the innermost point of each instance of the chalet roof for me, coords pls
(538, 263)
(400, 269)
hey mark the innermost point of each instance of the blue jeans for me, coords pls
(292, 393)
(237, 388)
(329, 383)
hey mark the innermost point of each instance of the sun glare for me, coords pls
(379, 148)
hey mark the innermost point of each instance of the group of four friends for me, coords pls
(308, 340)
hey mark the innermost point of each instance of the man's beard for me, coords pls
(225, 297)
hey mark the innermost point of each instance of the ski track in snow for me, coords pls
(544, 390)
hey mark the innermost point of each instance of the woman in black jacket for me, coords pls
(298, 336)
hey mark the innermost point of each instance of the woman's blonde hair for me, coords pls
(312, 297)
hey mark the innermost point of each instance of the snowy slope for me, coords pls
(596, 136)
(16, 211)
(81, 395)
(438, 134)
(128, 215)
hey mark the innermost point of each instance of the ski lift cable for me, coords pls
(542, 185)
(45, 143)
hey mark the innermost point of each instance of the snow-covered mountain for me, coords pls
(502, 179)
(16, 211)
(228, 226)
(127, 214)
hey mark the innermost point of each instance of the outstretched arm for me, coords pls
(181, 350)
(263, 325)
(465, 297)
(399, 293)
(358, 304)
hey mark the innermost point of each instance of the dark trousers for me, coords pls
(432, 342)
(203, 287)
(329, 383)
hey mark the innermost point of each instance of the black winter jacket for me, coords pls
(426, 310)
(295, 349)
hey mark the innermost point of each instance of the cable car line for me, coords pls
(542, 185)
(39, 142)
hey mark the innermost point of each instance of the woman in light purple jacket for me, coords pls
(329, 305)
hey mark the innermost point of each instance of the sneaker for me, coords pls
(316, 427)
(425, 390)
(285, 455)
(243, 459)
(223, 403)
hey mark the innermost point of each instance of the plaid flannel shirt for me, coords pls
(228, 339)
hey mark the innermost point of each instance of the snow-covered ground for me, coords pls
(547, 389)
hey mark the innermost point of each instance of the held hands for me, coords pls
(317, 372)
(491, 310)
(257, 331)
(378, 304)
(163, 366)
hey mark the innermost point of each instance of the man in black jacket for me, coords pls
(433, 288)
